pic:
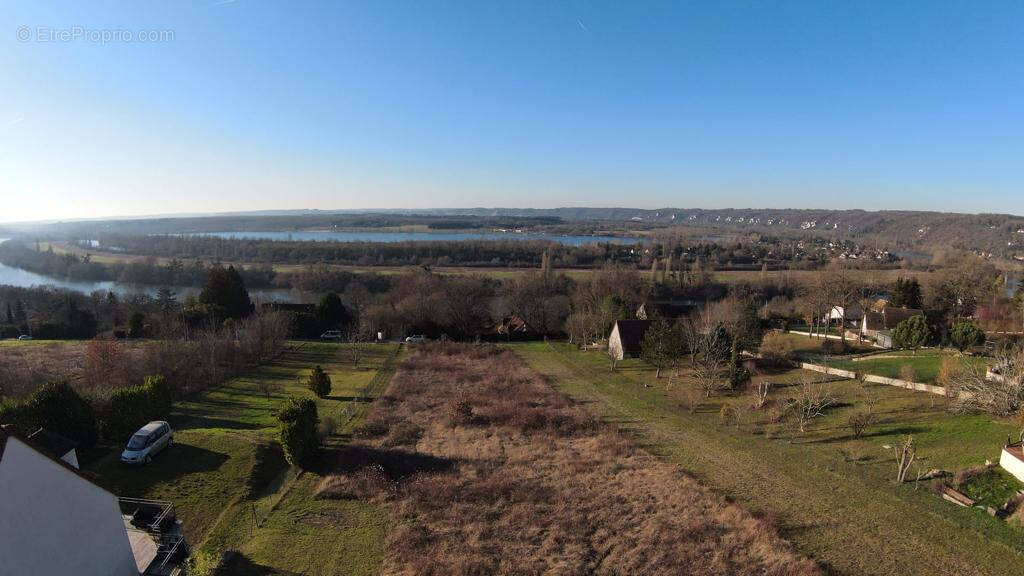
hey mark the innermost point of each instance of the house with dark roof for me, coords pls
(627, 337)
(879, 325)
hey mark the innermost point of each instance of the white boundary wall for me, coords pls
(916, 386)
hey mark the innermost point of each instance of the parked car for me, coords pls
(416, 338)
(147, 442)
(24, 337)
(331, 335)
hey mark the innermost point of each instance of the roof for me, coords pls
(888, 318)
(664, 309)
(52, 442)
(151, 427)
(631, 333)
(7, 432)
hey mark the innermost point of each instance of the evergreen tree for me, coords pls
(911, 333)
(319, 382)
(226, 291)
(906, 293)
(662, 345)
(297, 431)
(966, 334)
(166, 301)
(330, 311)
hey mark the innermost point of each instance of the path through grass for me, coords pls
(830, 495)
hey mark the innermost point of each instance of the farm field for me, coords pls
(486, 469)
(832, 494)
(232, 488)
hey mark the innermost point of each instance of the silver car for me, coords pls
(147, 442)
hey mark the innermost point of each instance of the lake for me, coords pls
(368, 236)
(24, 279)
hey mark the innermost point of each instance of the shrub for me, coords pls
(327, 427)
(949, 368)
(161, 396)
(58, 408)
(371, 429)
(727, 415)
(130, 408)
(319, 382)
(776, 349)
(403, 434)
(907, 373)
(859, 422)
(460, 412)
(297, 431)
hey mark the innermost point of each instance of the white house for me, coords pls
(1012, 460)
(853, 313)
(55, 521)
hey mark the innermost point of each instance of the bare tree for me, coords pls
(763, 387)
(1002, 395)
(811, 400)
(905, 455)
(709, 352)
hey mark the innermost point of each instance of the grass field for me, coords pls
(925, 364)
(832, 494)
(232, 492)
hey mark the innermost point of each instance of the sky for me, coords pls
(134, 108)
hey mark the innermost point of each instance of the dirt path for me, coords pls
(824, 507)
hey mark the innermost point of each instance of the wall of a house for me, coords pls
(615, 345)
(54, 522)
(1012, 465)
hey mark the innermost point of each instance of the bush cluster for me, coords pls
(132, 407)
(297, 431)
(58, 408)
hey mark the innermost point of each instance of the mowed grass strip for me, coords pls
(925, 364)
(832, 495)
(207, 474)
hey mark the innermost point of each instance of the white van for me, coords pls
(147, 442)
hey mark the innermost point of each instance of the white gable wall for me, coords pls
(53, 522)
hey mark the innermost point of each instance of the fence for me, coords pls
(916, 386)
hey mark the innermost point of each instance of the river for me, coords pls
(24, 279)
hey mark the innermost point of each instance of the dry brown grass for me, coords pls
(507, 476)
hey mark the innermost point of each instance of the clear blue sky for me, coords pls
(259, 105)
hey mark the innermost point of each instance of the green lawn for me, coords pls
(832, 494)
(270, 516)
(16, 342)
(890, 364)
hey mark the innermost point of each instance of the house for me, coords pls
(55, 520)
(626, 338)
(513, 325)
(853, 313)
(1011, 459)
(887, 319)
